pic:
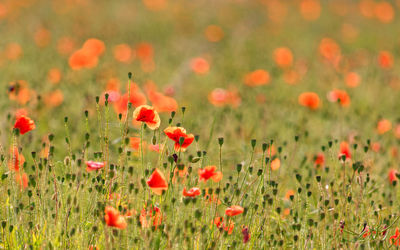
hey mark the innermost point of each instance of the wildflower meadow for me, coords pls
(199, 124)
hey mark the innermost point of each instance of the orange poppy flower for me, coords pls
(392, 175)
(157, 182)
(344, 149)
(175, 133)
(92, 165)
(147, 115)
(160, 102)
(310, 9)
(123, 53)
(114, 219)
(289, 193)
(283, 57)
(214, 33)
(375, 146)
(257, 78)
(319, 160)
(154, 214)
(193, 192)
(291, 77)
(82, 59)
(54, 75)
(94, 47)
(42, 37)
(275, 164)
(155, 5)
(13, 51)
(385, 59)
(219, 222)
(383, 126)
(54, 99)
(182, 174)
(24, 124)
(384, 12)
(310, 100)
(352, 79)
(340, 96)
(396, 131)
(209, 172)
(22, 180)
(200, 66)
(135, 143)
(221, 97)
(367, 8)
(16, 159)
(234, 210)
(144, 51)
(330, 50)
(65, 45)
(19, 92)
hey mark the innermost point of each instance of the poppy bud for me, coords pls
(253, 143)
(130, 75)
(264, 147)
(220, 141)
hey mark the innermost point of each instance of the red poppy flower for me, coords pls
(24, 124)
(246, 234)
(175, 133)
(234, 210)
(319, 160)
(193, 192)
(345, 150)
(113, 218)
(392, 175)
(340, 96)
(92, 165)
(16, 159)
(209, 172)
(219, 222)
(157, 182)
(395, 239)
(147, 115)
(309, 99)
(22, 180)
(154, 214)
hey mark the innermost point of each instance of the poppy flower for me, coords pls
(200, 66)
(221, 97)
(352, 79)
(160, 102)
(275, 164)
(22, 180)
(42, 37)
(54, 98)
(153, 215)
(157, 182)
(392, 175)
(193, 192)
(366, 232)
(214, 33)
(113, 218)
(209, 172)
(175, 133)
(135, 143)
(319, 160)
(13, 51)
(245, 234)
(92, 165)
(94, 47)
(384, 12)
(54, 75)
(344, 150)
(330, 50)
(24, 124)
(383, 126)
(16, 159)
(257, 78)
(82, 59)
(289, 193)
(283, 57)
(219, 222)
(123, 53)
(309, 100)
(395, 239)
(144, 51)
(234, 210)
(147, 115)
(20, 92)
(310, 9)
(385, 59)
(340, 96)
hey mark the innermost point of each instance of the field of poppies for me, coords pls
(199, 124)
